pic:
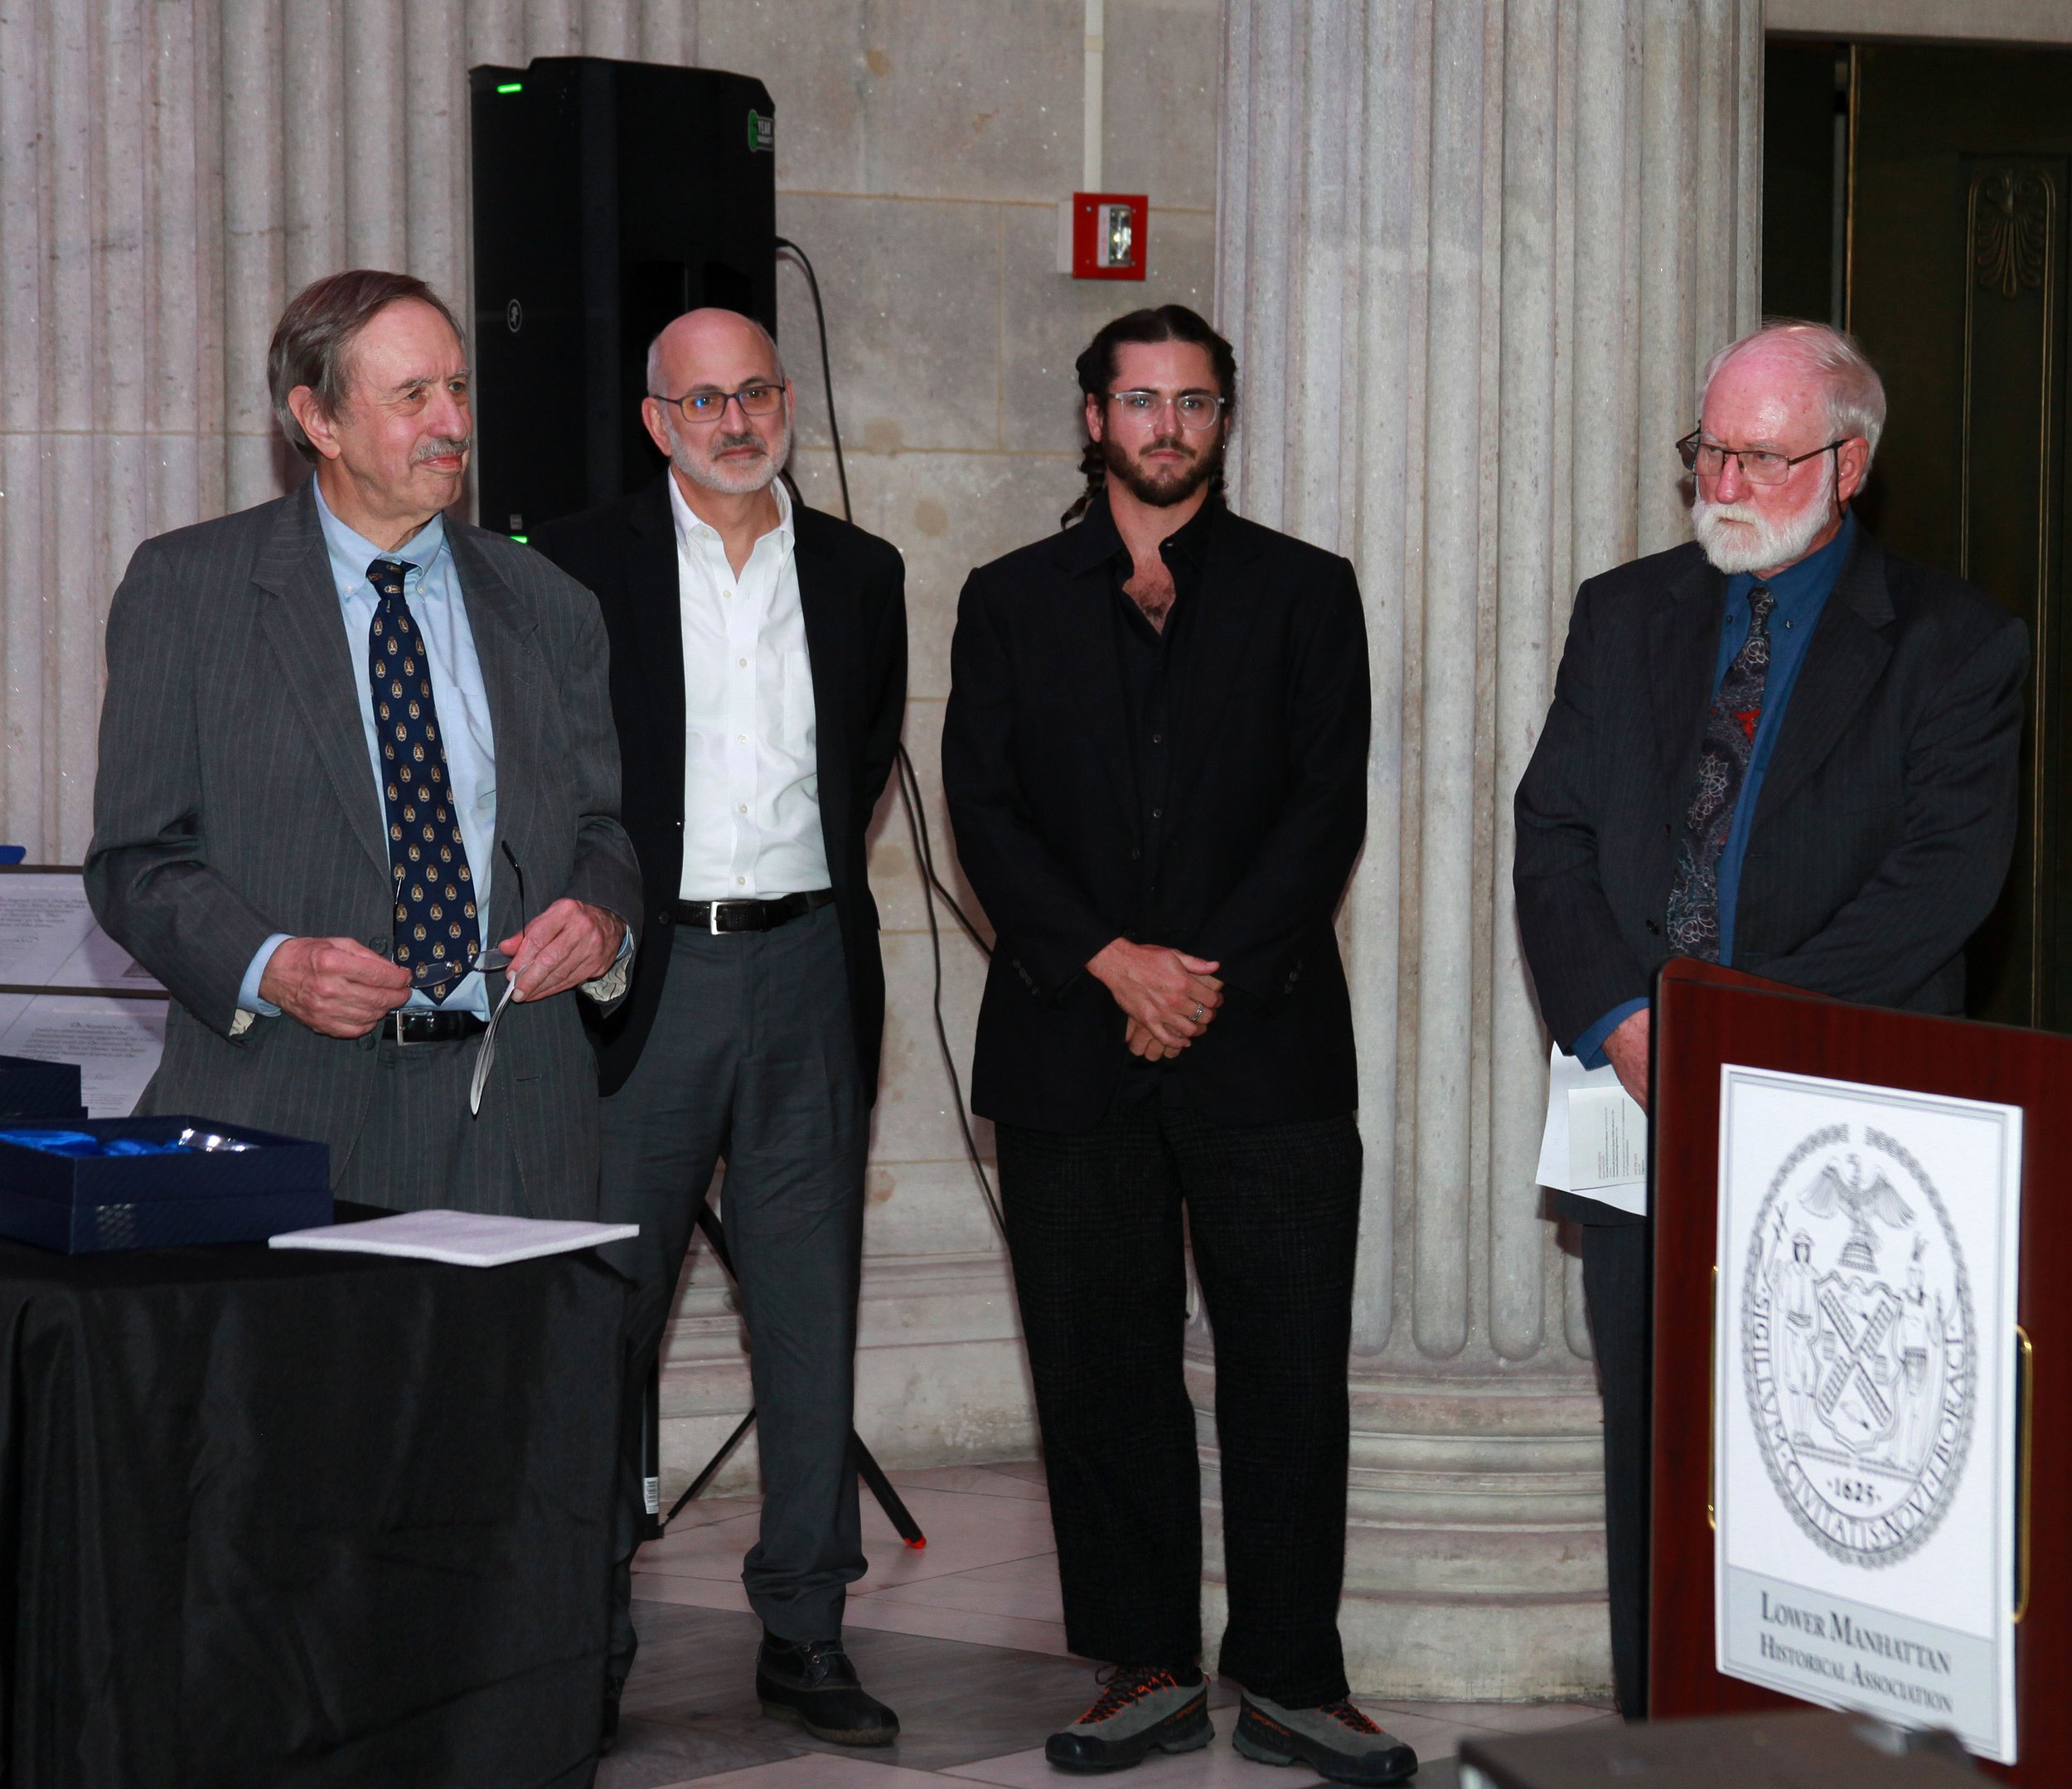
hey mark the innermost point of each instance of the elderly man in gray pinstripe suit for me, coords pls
(344, 735)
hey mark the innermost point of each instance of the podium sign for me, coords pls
(1708, 1020)
(1865, 1387)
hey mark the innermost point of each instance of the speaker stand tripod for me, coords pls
(867, 1469)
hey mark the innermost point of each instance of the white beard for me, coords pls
(735, 481)
(1737, 537)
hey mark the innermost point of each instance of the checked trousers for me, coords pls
(1097, 1223)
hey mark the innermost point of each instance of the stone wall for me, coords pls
(170, 173)
(921, 150)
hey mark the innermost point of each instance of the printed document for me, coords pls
(1596, 1140)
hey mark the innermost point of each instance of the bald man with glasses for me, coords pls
(759, 680)
(1779, 747)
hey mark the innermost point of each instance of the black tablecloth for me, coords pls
(277, 1518)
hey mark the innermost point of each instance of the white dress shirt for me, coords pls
(752, 786)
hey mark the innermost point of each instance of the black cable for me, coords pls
(910, 781)
(827, 371)
(916, 828)
(924, 851)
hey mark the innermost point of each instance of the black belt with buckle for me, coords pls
(717, 916)
(407, 1025)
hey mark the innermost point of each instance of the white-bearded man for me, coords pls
(1779, 748)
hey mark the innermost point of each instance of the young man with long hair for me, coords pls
(1155, 756)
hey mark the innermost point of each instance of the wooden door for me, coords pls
(1955, 282)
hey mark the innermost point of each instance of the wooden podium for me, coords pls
(1705, 1016)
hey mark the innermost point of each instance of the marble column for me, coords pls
(1473, 253)
(169, 175)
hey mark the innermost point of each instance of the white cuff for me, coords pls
(611, 985)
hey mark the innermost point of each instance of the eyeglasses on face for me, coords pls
(1198, 411)
(702, 403)
(1758, 465)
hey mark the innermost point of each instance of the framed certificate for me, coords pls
(49, 937)
(69, 993)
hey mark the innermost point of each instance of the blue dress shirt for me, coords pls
(433, 588)
(1801, 592)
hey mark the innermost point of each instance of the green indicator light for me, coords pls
(520, 539)
(512, 86)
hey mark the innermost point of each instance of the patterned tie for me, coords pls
(437, 934)
(1730, 742)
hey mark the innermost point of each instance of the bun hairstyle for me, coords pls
(1097, 370)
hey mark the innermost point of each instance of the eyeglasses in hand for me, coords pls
(486, 1051)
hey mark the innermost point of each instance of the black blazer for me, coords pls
(1266, 807)
(852, 589)
(1884, 824)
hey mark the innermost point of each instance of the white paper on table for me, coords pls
(460, 1239)
(49, 938)
(116, 1042)
(1595, 1140)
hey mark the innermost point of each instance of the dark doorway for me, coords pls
(1940, 229)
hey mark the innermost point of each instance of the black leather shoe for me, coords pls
(813, 1683)
(608, 1724)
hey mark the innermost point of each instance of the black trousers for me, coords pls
(1616, 1292)
(1097, 1223)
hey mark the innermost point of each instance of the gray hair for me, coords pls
(313, 339)
(655, 348)
(1852, 392)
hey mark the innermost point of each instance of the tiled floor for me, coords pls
(966, 1638)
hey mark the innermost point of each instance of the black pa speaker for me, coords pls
(609, 197)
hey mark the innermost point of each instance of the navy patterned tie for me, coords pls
(1730, 742)
(436, 933)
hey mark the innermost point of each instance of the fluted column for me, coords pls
(1473, 253)
(168, 176)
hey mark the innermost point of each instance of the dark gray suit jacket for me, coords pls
(234, 800)
(1884, 824)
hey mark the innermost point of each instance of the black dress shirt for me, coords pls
(1150, 659)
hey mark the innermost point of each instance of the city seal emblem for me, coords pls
(1859, 1346)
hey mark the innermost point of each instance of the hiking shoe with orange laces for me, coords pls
(1335, 1741)
(1141, 1710)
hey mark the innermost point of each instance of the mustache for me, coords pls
(727, 444)
(440, 447)
(1169, 444)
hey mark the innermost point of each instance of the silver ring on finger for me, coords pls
(1198, 1012)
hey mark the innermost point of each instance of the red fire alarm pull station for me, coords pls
(1108, 236)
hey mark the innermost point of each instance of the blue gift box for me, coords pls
(89, 1204)
(32, 1090)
